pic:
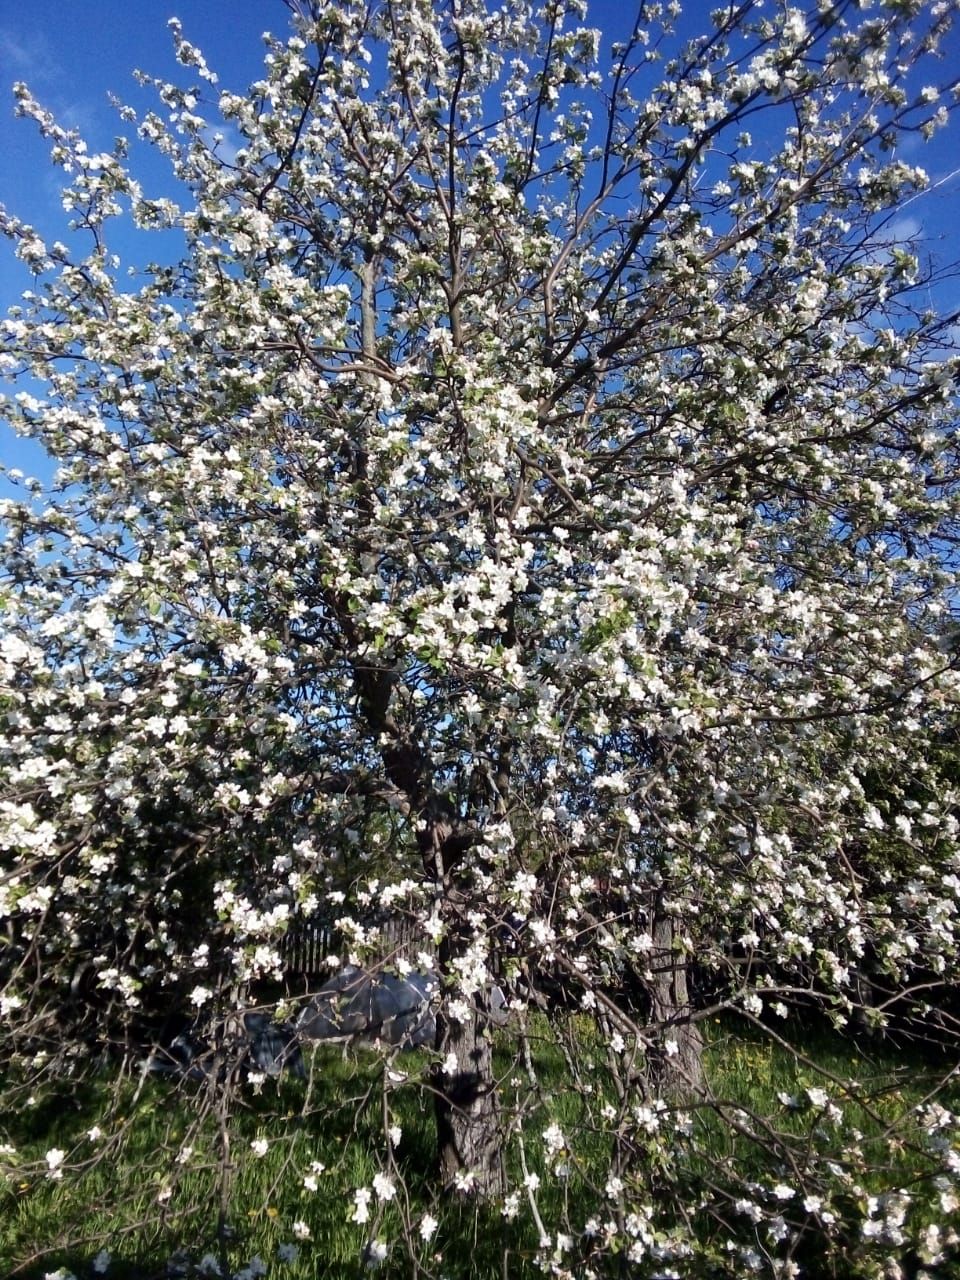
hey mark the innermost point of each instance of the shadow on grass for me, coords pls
(330, 1137)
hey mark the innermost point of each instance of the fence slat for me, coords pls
(308, 944)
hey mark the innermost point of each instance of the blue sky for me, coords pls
(73, 54)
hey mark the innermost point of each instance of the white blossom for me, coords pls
(361, 1204)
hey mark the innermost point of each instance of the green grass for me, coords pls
(119, 1200)
(116, 1200)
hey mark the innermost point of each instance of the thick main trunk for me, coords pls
(467, 1111)
(680, 1070)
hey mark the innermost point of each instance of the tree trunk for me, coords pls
(469, 1140)
(680, 1072)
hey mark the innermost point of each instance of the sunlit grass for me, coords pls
(120, 1199)
(134, 1197)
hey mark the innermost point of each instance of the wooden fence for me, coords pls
(309, 943)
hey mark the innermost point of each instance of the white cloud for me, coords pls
(902, 230)
(27, 57)
(229, 142)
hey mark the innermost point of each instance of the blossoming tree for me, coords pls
(525, 506)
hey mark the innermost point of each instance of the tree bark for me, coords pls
(469, 1140)
(679, 1073)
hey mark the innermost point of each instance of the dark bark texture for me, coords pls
(469, 1139)
(680, 1073)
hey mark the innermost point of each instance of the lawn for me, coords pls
(149, 1187)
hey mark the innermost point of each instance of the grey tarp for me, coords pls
(254, 1042)
(373, 1006)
